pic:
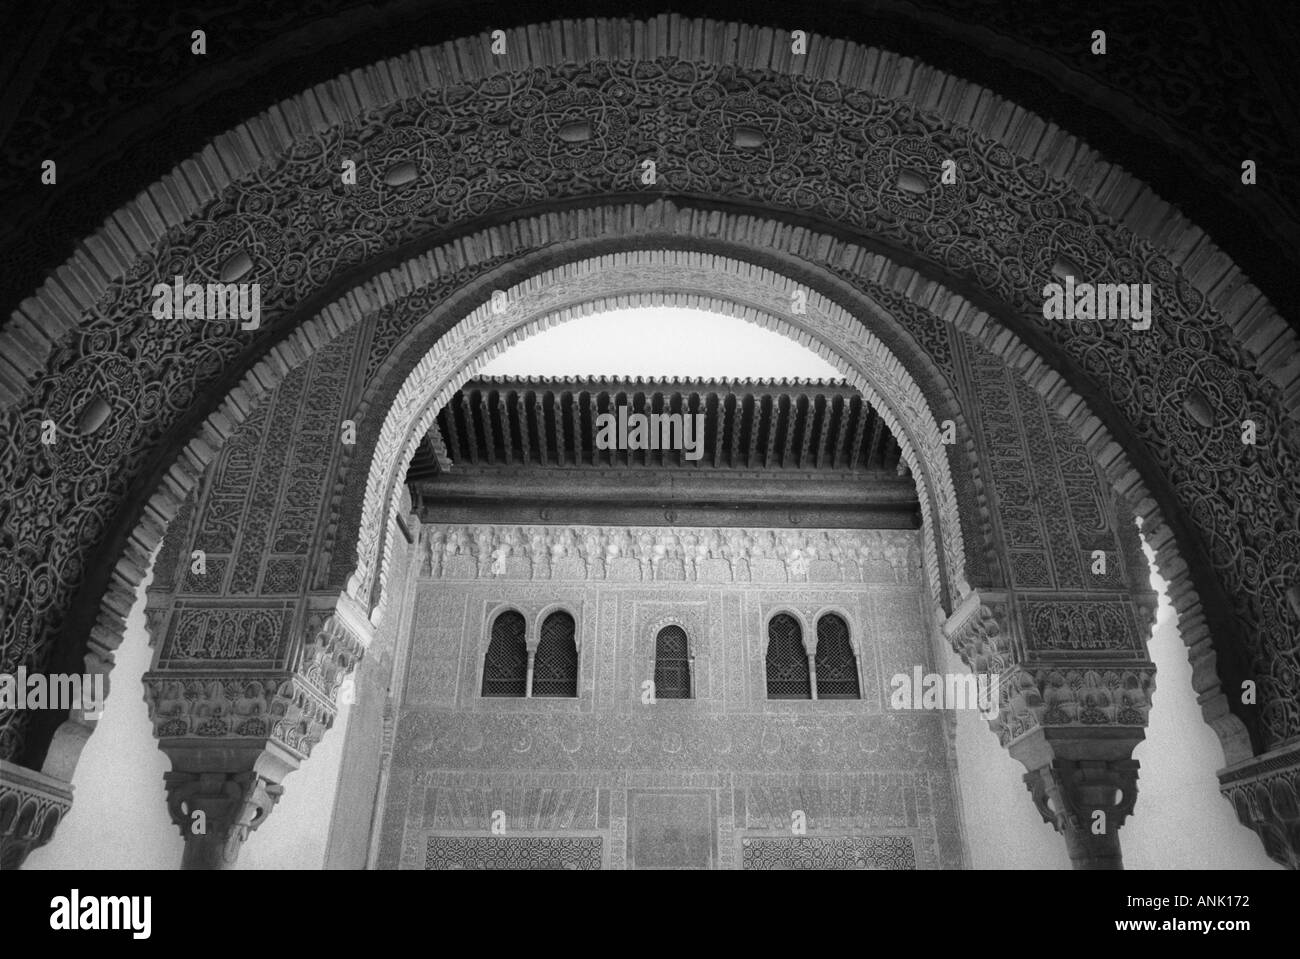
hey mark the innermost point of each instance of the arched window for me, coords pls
(787, 660)
(505, 668)
(672, 664)
(837, 667)
(555, 665)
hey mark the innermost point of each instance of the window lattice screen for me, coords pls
(837, 668)
(672, 664)
(787, 661)
(505, 670)
(555, 664)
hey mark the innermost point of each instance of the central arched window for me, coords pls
(672, 664)
(505, 669)
(837, 667)
(788, 676)
(555, 665)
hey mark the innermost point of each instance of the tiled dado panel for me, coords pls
(714, 781)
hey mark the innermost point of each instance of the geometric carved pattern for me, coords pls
(525, 808)
(1051, 504)
(788, 676)
(513, 852)
(843, 852)
(848, 803)
(1201, 103)
(505, 671)
(282, 575)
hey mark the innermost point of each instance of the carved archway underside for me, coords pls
(269, 192)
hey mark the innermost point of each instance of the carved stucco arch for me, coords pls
(594, 285)
(697, 636)
(698, 643)
(827, 328)
(850, 621)
(98, 283)
(805, 628)
(398, 282)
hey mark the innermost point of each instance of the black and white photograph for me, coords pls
(669, 436)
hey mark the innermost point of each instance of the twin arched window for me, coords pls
(790, 675)
(554, 669)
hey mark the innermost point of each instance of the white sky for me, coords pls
(660, 341)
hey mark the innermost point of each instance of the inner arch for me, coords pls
(660, 341)
(676, 277)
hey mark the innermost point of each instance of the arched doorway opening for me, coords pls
(1161, 486)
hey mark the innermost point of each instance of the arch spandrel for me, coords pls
(89, 329)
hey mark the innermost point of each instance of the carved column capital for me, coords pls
(1086, 801)
(32, 805)
(217, 811)
(1075, 696)
(1265, 792)
(1084, 784)
(244, 708)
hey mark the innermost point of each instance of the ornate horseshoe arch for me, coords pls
(873, 120)
(648, 278)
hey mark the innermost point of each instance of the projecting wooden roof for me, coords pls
(783, 425)
(777, 453)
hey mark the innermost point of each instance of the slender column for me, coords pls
(217, 809)
(1072, 720)
(232, 735)
(1084, 786)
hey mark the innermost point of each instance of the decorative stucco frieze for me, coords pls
(511, 553)
(230, 708)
